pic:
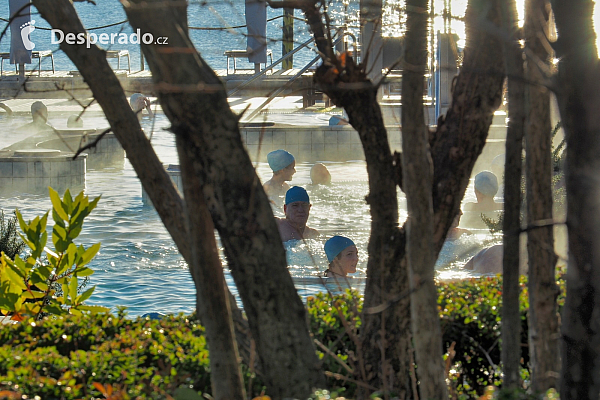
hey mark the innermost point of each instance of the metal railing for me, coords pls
(286, 56)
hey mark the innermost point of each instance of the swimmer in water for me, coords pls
(342, 255)
(319, 175)
(39, 114)
(486, 187)
(297, 209)
(75, 121)
(283, 165)
(138, 102)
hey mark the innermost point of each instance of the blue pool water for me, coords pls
(138, 265)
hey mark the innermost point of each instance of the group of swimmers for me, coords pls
(341, 252)
(39, 114)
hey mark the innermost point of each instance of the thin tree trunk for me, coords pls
(461, 135)
(417, 168)
(543, 291)
(195, 101)
(227, 381)
(385, 334)
(578, 97)
(511, 317)
(212, 303)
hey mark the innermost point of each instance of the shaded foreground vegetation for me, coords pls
(75, 357)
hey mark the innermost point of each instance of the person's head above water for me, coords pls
(486, 183)
(297, 205)
(75, 121)
(342, 255)
(39, 112)
(137, 102)
(319, 175)
(280, 159)
(295, 194)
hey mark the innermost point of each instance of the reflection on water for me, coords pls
(139, 266)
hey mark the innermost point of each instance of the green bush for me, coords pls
(29, 287)
(75, 357)
(68, 357)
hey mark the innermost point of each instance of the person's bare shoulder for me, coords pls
(310, 233)
(469, 207)
(268, 187)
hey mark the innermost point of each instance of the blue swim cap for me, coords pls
(486, 183)
(296, 193)
(336, 245)
(279, 159)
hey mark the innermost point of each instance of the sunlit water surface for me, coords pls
(139, 266)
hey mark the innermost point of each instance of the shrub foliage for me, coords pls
(74, 357)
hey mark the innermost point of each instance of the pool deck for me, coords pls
(64, 84)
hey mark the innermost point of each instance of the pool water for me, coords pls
(139, 266)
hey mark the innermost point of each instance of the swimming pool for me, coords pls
(139, 266)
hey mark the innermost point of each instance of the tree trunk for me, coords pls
(543, 291)
(195, 101)
(511, 317)
(417, 175)
(461, 135)
(385, 334)
(210, 300)
(212, 303)
(578, 97)
(458, 141)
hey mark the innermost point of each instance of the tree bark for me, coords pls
(458, 141)
(195, 101)
(417, 176)
(511, 317)
(212, 303)
(461, 135)
(385, 336)
(210, 300)
(543, 291)
(578, 95)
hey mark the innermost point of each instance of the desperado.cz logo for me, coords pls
(58, 36)
(26, 30)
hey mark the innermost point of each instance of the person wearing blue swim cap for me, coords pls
(342, 255)
(283, 165)
(486, 187)
(297, 209)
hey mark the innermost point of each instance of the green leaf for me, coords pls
(42, 286)
(59, 236)
(71, 254)
(94, 309)
(22, 223)
(54, 309)
(63, 265)
(65, 288)
(85, 271)
(85, 295)
(75, 311)
(33, 294)
(15, 279)
(73, 288)
(58, 204)
(89, 254)
(68, 201)
(41, 275)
